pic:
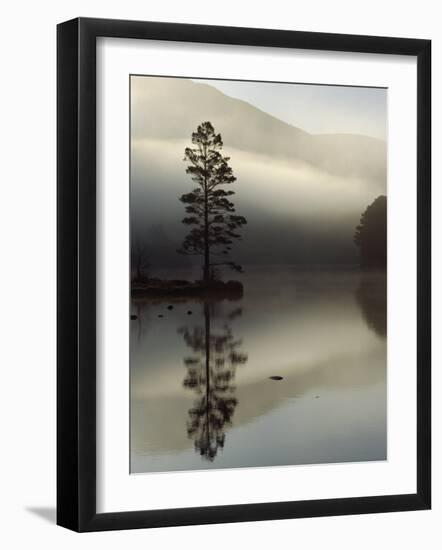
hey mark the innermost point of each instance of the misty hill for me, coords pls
(302, 194)
(167, 108)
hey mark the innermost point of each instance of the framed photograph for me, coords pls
(243, 274)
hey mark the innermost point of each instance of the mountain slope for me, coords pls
(170, 108)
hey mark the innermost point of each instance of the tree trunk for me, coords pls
(206, 251)
(206, 244)
(206, 272)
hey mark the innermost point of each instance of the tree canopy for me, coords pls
(371, 234)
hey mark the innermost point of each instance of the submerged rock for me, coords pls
(169, 307)
(189, 313)
(275, 377)
(133, 317)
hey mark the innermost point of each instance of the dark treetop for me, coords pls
(371, 234)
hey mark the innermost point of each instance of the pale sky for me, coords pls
(314, 108)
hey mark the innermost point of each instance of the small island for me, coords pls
(183, 289)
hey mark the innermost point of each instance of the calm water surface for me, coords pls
(201, 392)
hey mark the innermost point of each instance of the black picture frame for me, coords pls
(76, 274)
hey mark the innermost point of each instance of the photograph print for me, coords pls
(258, 239)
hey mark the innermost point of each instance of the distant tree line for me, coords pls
(371, 234)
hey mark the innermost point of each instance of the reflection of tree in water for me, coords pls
(141, 311)
(371, 296)
(210, 373)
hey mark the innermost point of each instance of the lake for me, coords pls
(294, 372)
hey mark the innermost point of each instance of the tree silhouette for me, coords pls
(210, 373)
(371, 234)
(211, 214)
(371, 296)
(139, 260)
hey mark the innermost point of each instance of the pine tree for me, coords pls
(210, 212)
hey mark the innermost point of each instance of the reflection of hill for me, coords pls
(259, 396)
(340, 373)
